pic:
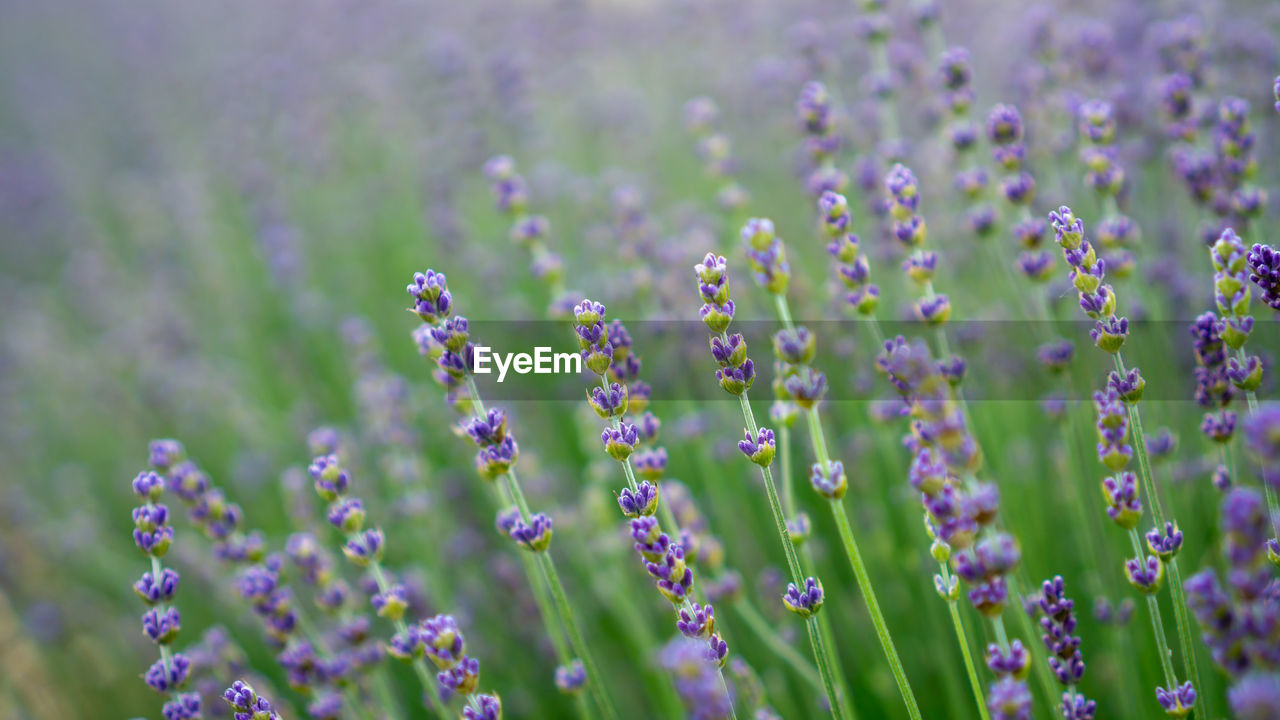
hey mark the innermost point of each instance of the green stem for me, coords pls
(1185, 642)
(419, 664)
(860, 572)
(599, 688)
(821, 652)
(1157, 624)
(963, 639)
(808, 565)
(783, 649)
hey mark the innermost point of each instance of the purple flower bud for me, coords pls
(495, 460)
(487, 430)
(1177, 701)
(806, 387)
(154, 590)
(431, 297)
(1220, 426)
(1144, 573)
(1257, 695)
(392, 603)
(830, 482)
(697, 621)
(619, 442)
(1009, 699)
(674, 578)
(1121, 494)
(737, 380)
(1165, 544)
(162, 679)
(462, 678)
(365, 547)
(796, 346)
(608, 403)
(489, 707)
(148, 485)
(642, 502)
(185, 706)
(571, 678)
(730, 352)
(330, 478)
(161, 626)
(804, 602)
(814, 108)
(760, 449)
(347, 514)
(534, 536)
(1016, 661)
(650, 464)
(164, 454)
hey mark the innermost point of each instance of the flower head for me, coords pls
(804, 601)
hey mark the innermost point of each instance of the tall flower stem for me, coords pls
(963, 639)
(1175, 577)
(785, 650)
(668, 518)
(809, 565)
(511, 484)
(819, 441)
(1157, 625)
(419, 664)
(821, 652)
(859, 568)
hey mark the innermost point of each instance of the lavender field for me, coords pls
(618, 359)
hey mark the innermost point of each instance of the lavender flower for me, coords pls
(643, 501)
(1264, 271)
(571, 678)
(534, 535)
(1058, 621)
(1177, 701)
(760, 449)
(1257, 695)
(247, 704)
(804, 602)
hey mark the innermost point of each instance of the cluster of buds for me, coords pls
(511, 197)
(208, 507)
(247, 704)
(1264, 271)
(262, 587)
(440, 640)
(363, 546)
(1214, 389)
(153, 535)
(737, 372)
(1117, 232)
(852, 267)
(440, 338)
(1088, 271)
(908, 226)
(1058, 620)
(1234, 144)
(1230, 615)
(815, 112)
(1234, 267)
(715, 149)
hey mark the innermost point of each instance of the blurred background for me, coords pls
(208, 212)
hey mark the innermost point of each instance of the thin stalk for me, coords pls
(1157, 625)
(963, 639)
(809, 565)
(821, 652)
(783, 649)
(819, 442)
(599, 689)
(860, 572)
(1175, 577)
(419, 663)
